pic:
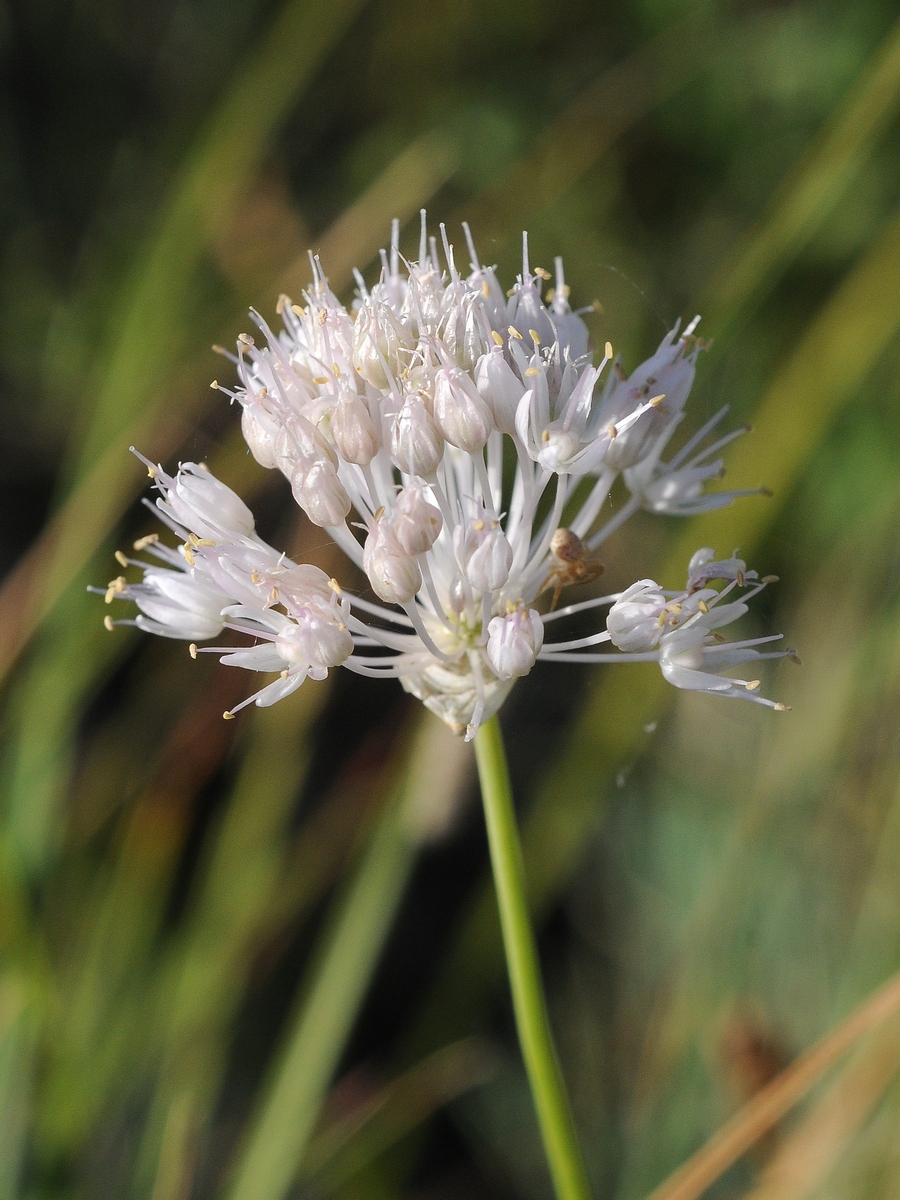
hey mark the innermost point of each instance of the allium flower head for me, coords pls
(395, 424)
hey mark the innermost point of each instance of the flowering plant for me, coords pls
(459, 445)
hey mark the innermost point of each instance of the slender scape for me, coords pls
(544, 1075)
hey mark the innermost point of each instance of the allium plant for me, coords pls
(461, 447)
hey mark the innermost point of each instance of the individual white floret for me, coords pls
(514, 642)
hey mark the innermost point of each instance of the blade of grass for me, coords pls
(343, 1148)
(809, 1155)
(349, 951)
(811, 190)
(159, 311)
(777, 1098)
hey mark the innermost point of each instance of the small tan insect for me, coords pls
(569, 563)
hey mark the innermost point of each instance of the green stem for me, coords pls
(544, 1075)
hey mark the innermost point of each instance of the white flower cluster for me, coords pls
(433, 418)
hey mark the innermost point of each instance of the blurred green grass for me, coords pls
(169, 885)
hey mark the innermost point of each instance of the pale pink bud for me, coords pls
(415, 446)
(320, 493)
(415, 522)
(459, 412)
(394, 575)
(483, 553)
(353, 430)
(322, 639)
(258, 438)
(500, 388)
(514, 642)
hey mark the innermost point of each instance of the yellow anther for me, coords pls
(227, 716)
(275, 595)
(217, 349)
(597, 307)
(657, 400)
(109, 623)
(739, 576)
(542, 274)
(379, 513)
(612, 431)
(770, 579)
(202, 466)
(204, 542)
(608, 350)
(255, 576)
(782, 708)
(284, 673)
(245, 339)
(114, 588)
(532, 370)
(151, 471)
(188, 554)
(486, 289)
(478, 526)
(752, 684)
(498, 340)
(149, 539)
(320, 379)
(535, 336)
(298, 309)
(192, 649)
(661, 620)
(514, 333)
(215, 385)
(545, 436)
(674, 607)
(121, 559)
(322, 315)
(335, 587)
(703, 606)
(194, 540)
(335, 370)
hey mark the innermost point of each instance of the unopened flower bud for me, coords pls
(258, 438)
(500, 388)
(321, 640)
(459, 412)
(353, 430)
(633, 621)
(484, 553)
(320, 493)
(458, 594)
(415, 446)
(394, 575)
(415, 522)
(514, 642)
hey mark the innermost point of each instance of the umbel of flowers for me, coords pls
(460, 446)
